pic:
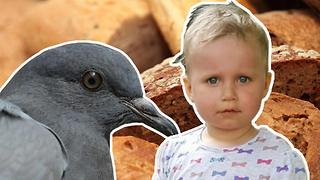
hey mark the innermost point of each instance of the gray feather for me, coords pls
(50, 88)
(24, 147)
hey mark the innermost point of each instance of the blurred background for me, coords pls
(147, 30)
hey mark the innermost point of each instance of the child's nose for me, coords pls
(229, 92)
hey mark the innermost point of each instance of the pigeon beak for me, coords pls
(151, 116)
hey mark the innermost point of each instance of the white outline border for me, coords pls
(140, 80)
(264, 99)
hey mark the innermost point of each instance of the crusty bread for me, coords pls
(140, 132)
(127, 25)
(11, 54)
(162, 85)
(12, 11)
(296, 119)
(134, 158)
(299, 121)
(12, 50)
(297, 73)
(170, 17)
(298, 28)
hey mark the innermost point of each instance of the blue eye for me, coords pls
(243, 79)
(213, 80)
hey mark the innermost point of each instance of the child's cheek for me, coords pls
(251, 99)
(206, 103)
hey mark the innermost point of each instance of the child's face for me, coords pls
(227, 81)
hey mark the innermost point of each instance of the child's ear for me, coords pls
(267, 83)
(187, 87)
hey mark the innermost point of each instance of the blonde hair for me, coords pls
(208, 22)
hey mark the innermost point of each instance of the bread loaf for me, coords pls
(162, 85)
(11, 54)
(294, 27)
(297, 119)
(12, 49)
(127, 25)
(170, 17)
(297, 73)
(134, 158)
(12, 11)
(140, 132)
(298, 28)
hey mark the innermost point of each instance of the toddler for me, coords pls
(226, 57)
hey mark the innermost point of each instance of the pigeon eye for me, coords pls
(91, 80)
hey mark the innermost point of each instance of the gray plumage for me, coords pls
(24, 147)
(82, 91)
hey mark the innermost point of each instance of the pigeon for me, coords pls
(84, 91)
(20, 148)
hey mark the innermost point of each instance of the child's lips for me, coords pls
(229, 111)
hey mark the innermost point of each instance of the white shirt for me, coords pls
(267, 156)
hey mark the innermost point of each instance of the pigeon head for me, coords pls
(83, 91)
(85, 79)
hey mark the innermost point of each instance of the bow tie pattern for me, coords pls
(265, 161)
(219, 159)
(259, 139)
(168, 157)
(167, 173)
(193, 174)
(196, 161)
(299, 170)
(241, 178)
(284, 168)
(176, 168)
(262, 177)
(242, 164)
(217, 173)
(184, 163)
(249, 151)
(183, 154)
